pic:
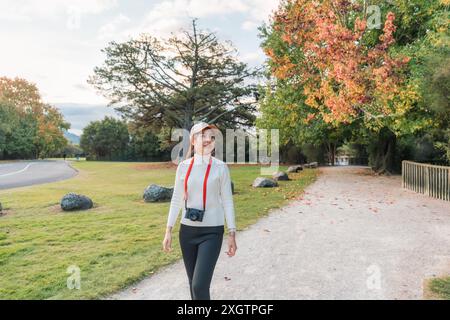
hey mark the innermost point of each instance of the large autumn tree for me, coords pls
(282, 106)
(342, 77)
(174, 82)
(29, 128)
(346, 72)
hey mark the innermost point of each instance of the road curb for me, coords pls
(70, 165)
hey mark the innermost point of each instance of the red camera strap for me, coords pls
(205, 181)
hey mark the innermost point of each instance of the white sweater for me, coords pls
(219, 198)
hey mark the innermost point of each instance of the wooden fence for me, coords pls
(428, 179)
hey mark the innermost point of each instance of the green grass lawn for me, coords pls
(116, 243)
(68, 159)
(441, 287)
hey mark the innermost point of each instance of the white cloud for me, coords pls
(200, 8)
(29, 10)
(78, 132)
(249, 25)
(253, 57)
(259, 12)
(91, 6)
(110, 30)
(171, 15)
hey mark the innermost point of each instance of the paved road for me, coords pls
(26, 173)
(350, 236)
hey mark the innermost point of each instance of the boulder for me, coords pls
(262, 182)
(155, 193)
(280, 175)
(73, 201)
(295, 168)
(313, 165)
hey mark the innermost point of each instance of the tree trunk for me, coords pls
(382, 153)
(187, 123)
(331, 152)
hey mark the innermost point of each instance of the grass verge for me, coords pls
(440, 287)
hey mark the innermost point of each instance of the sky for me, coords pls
(57, 43)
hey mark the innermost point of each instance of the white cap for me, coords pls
(199, 126)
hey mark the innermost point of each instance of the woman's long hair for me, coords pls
(190, 152)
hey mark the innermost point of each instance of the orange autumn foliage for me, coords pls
(26, 99)
(340, 76)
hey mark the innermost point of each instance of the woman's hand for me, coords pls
(167, 242)
(231, 245)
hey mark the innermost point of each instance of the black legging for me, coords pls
(200, 247)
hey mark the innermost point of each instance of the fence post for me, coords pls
(403, 174)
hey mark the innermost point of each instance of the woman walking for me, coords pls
(203, 192)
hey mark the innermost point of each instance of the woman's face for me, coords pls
(204, 142)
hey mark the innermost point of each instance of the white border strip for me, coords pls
(15, 172)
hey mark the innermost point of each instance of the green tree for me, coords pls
(423, 35)
(71, 150)
(17, 133)
(8, 116)
(174, 82)
(107, 139)
(29, 128)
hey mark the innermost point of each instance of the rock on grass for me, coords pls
(280, 175)
(295, 168)
(73, 201)
(262, 182)
(155, 193)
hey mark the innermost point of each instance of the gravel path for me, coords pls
(350, 236)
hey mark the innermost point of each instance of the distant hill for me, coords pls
(73, 138)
